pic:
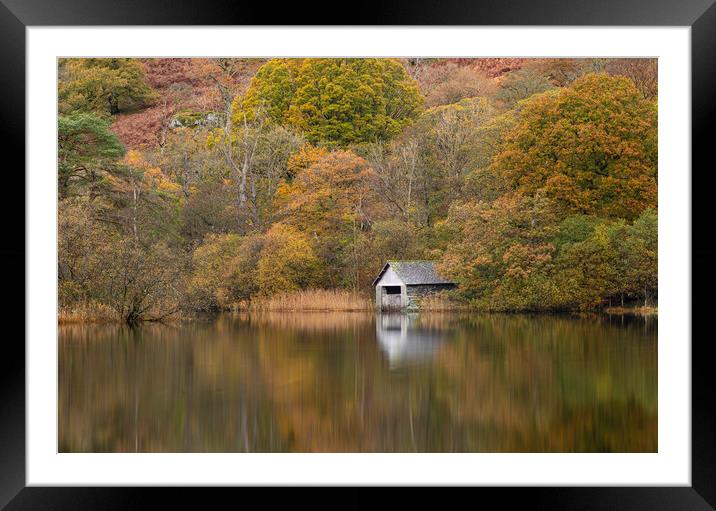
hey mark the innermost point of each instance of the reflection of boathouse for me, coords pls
(402, 340)
(400, 284)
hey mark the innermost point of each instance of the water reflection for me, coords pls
(404, 340)
(358, 382)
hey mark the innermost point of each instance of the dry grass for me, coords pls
(314, 300)
(87, 313)
(637, 311)
(308, 321)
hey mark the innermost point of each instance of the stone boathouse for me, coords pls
(400, 284)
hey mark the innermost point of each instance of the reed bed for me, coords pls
(91, 312)
(314, 300)
(636, 311)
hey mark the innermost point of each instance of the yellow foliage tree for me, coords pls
(287, 261)
(104, 86)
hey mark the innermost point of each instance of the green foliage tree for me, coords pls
(639, 257)
(608, 260)
(272, 87)
(334, 101)
(86, 150)
(103, 86)
(511, 254)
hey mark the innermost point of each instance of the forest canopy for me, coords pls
(200, 184)
(333, 101)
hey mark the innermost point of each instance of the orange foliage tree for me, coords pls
(592, 147)
(333, 202)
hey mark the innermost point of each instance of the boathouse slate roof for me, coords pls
(414, 272)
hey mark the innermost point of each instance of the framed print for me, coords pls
(423, 252)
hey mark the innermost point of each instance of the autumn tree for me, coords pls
(224, 271)
(563, 71)
(451, 83)
(271, 167)
(335, 101)
(238, 141)
(643, 72)
(238, 136)
(399, 175)
(590, 147)
(588, 270)
(209, 209)
(389, 238)
(103, 264)
(287, 261)
(300, 160)
(513, 254)
(332, 201)
(521, 84)
(273, 86)
(144, 198)
(424, 169)
(104, 86)
(499, 251)
(452, 141)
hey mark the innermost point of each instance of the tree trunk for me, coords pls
(185, 177)
(134, 212)
(254, 204)
(113, 106)
(242, 183)
(63, 187)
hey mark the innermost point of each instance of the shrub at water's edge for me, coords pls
(309, 300)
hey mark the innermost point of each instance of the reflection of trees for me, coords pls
(157, 389)
(319, 382)
(515, 383)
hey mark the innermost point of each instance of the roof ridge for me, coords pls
(411, 260)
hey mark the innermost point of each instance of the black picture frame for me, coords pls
(16, 15)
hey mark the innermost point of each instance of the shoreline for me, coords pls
(82, 316)
(633, 311)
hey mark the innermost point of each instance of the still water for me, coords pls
(346, 382)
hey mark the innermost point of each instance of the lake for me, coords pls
(361, 382)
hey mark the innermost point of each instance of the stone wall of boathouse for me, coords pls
(416, 292)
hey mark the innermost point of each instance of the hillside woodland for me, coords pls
(204, 184)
